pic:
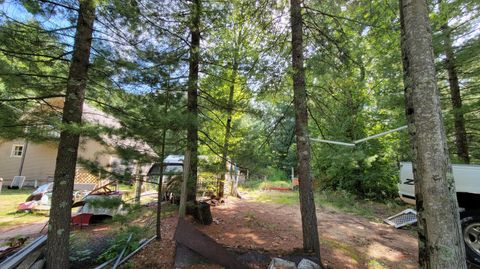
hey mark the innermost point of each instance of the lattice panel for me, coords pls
(82, 175)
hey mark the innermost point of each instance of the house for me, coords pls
(36, 161)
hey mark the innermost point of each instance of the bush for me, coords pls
(274, 174)
(368, 177)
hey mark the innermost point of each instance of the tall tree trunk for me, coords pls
(182, 210)
(439, 231)
(228, 127)
(192, 103)
(160, 182)
(60, 211)
(456, 99)
(307, 205)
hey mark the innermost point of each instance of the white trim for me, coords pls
(12, 153)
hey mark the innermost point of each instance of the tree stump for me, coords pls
(201, 212)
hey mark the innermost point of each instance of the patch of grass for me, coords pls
(276, 197)
(9, 215)
(126, 187)
(336, 201)
(276, 183)
(254, 222)
(350, 251)
(264, 184)
(374, 264)
(348, 203)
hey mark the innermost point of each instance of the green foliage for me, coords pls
(134, 212)
(119, 242)
(106, 202)
(275, 174)
(208, 182)
(79, 250)
(355, 90)
(372, 177)
(31, 65)
(353, 71)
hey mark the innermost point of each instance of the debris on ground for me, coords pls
(217, 220)
(26, 256)
(404, 218)
(307, 264)
(213, 200)
(40, 198)
(13, 245)
(254, 234)
(103, 202)
(278, 263)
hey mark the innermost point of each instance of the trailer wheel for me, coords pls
(471, 235)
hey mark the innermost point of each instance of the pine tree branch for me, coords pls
(32, 98)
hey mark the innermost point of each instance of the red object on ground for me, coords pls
(27, 205)
(82, 219)
(279, 189)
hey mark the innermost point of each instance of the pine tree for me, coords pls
(439, 234)
(60, 211)
(307, 205)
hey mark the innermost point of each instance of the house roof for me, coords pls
(94, 115)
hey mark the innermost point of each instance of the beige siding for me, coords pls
(94, 151)
(40, 159)
(9, 166)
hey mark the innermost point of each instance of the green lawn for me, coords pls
(9, 200)
(335, 201)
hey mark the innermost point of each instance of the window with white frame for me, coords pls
(17, 151)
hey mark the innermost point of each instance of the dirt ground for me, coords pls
(347, 241)
(25, 230)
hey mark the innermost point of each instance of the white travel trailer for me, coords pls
(467, 184)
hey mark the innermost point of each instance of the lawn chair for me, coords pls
(17, 182)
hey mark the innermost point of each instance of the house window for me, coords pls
(17, 151)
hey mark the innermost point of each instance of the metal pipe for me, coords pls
(117, 262)
(137, 250)
(379, 135)
(105, 263)
(333, 142)
(360, 140)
